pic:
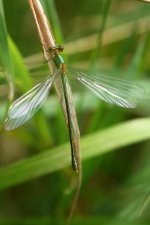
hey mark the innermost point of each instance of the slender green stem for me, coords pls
(96, 52)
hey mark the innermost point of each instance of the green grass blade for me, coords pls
(88, 220)
(21, 74)
(135, 67)
(10, 57)
(92, 145)
(96, 52)
(5, 59)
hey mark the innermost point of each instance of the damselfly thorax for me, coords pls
(58, 59)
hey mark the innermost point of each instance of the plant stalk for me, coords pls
(64, 92)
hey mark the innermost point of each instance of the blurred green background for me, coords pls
(36, 180)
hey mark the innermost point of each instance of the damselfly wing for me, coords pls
(112, 90)
(116, 91)
(28, 104)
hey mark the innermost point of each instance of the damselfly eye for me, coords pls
(60, 48)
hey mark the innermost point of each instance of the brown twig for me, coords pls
(47, 42)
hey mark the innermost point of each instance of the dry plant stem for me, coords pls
(47, 41)
(76, 197)
(76, 143)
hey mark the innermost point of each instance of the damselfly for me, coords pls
(112, 90)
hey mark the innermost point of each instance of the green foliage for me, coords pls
(21, 74)
(93, 145)
(5, 59)
(36, 180)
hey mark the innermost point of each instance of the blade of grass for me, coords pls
(96, 52)
(93, 145)
(136, 204)
(5, 59)
(94, 57)
(21, 74)
(135, 67)
(88, 220)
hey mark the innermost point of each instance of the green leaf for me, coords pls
(59, 157)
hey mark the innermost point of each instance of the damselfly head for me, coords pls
(56, 49)
(60, 48)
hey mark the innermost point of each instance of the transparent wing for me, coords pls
(27, 105)
(112, 90)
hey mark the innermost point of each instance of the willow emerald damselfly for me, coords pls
(112, 90)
